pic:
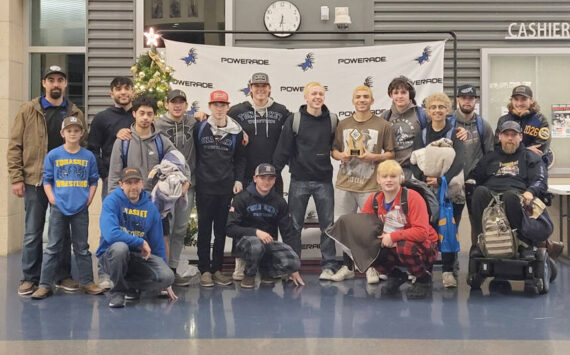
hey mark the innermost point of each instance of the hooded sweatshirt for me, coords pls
(180, 134)
(308, 151)
(142, 154)
(130, 223)
(103, 132)
(220, 156)
(263, 125)
(535, 129)
(405, 125)
(473, 147)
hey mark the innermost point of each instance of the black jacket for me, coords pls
(251, 211)
(521, 171)
(308, 152)
(263, 129)
(103, 132)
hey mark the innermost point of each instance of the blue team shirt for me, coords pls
(70, 175)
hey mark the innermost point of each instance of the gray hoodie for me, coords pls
(473, 147)
(405, 126)
(142, 154)
(180, 134)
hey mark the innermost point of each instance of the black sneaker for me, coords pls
(132, 295)
(117, 300)
(421, 288)
(396, 279)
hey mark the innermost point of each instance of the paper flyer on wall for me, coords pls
(560, 120)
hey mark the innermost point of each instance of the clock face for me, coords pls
(282, 16)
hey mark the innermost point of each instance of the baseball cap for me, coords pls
(219, 96)
(70, 121)
(131, 173)
(522, 90)
(54, 69)
(172, 94)
(265, 169)
(467, 90)
(259, 78)
(511, 125)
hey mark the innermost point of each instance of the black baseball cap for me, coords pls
(172, 94)
(54, 69)
(467, 90)
(265, 169)
(511, 125)
(522, 90)
(131, 173)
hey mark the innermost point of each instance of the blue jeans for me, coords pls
(35, 204)
(128, 270)
(59, 225)
(323, 194)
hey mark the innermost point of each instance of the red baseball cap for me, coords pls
(219, 96)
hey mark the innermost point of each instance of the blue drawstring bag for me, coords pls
(447, 229)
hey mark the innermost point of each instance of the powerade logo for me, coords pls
(368, 81)
(361, 60)
(191, 57)
(426, 54)
(193, 84)
(348, 113)
(308, 63)
(194, 108)
(296, 88)
(244, 61)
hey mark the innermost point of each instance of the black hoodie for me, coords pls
(308, 151)
(103, 132)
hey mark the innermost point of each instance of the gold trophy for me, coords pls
(355, 144)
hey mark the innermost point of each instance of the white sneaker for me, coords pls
(372, 276)
(344, 273)
(449, 280)
(239, 272)
(327, 274)
(105, 284)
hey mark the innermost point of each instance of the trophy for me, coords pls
(355, 144)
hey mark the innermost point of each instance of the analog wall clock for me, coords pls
(282, 16)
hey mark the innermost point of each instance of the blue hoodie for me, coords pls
(130, 223)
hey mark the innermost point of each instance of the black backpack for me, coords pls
(425, 192)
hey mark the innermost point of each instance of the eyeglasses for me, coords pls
(438, 107)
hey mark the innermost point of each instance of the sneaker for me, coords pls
(117, 300)
(344, 273)
(68, 285)
(268, 280)
(26, 288)
(248, 282)
(420, 289)
(396, 279)
(132, 295)
(41, 293)
(327, 274)
(105, 283)
(206, 279)
(93, 289)
(181, 281)
(221, 279)
(372, 276)
(449, 280)
(239, 272)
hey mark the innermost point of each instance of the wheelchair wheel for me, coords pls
(543, 272)
(474, 280)
(553, 269)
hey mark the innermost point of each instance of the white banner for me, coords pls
(200, 69)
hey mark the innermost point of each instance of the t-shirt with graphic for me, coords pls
(374, 134)
(70, 176)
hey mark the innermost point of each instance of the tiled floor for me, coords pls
(322, 317)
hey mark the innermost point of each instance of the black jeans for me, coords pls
(212, 209)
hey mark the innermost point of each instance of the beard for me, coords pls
(55, 94)
(466, 111)
(119, 103)
(509, 148)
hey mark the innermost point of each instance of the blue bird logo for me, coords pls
(424, 57)
(308, 63)
(368, 81)
(191, 58)
(245, 91)
(194, 108)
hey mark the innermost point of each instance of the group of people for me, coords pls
(230, 162)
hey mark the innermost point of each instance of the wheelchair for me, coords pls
(537, 271)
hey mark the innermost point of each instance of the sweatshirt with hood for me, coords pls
(307, 152)
(220, 156)
(180, 134)
(535, 128)
(131, 223)
(474, 149)
(263, 125)
(142, 154)
(405, 125)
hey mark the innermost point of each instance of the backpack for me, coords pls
(497, 240)
(125, 149)
(479, 122)
(424, 134)
(201, 132)
(425, 192)
(420, 112)
(297, 122)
